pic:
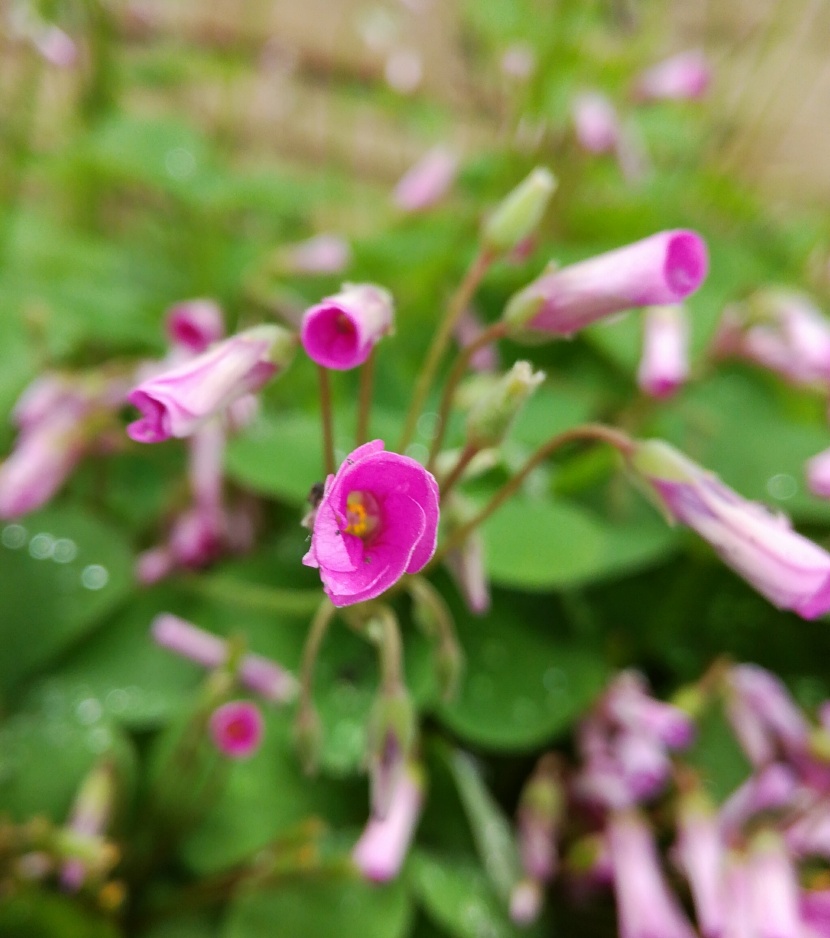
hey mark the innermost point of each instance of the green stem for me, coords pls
(491, 334)
(390, 649)
(460, 299)
(233, 592)
(319, 626)
(464, 459)
(367, 374)
(590, 431)
(328, 421)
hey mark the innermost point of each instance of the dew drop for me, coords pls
(524, 709)
(41, 546)
(782, 486)
(64, 550)
(117, 700)
(555, 681)
(99, 739)
(13, 536)
(94, 576)
(428, 424)
(418, 452)
(180, 163)
(89, 711)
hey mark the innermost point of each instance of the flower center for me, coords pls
(362, 514)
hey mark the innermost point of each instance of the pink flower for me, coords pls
(685, 76)
(771, 788)
(57, 47)
(701, 855)
(768, 699)
(781, 330)
(323, 254)
(467, 329)
(261, 675)
(818, 474)
(466, 566)
(786, 568)
(773, 888)
(664, 268)
(664, 365)
(628, 703)
(596, 123)
(378, 520)
(341, 331)
(381, 850)
(195, 324)
(427, 182)
(645, 906)
(237, 728)
(179, 401)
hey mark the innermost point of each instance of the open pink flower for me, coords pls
(195, 324)
(664, 268)
(179, 401)
(378, 520)
(789, 570)
(341, 331)
(237, 728)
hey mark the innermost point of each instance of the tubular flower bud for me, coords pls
(786, 568)
(467, 329)
(664, 268)
(179, 401)
(323, 254)
(261, 675)
(773, 888)
(341, 331)
(195, 324)
(237, 728)
(541, 805)
(628, 703)
(700, 854)
(377, 520)
(391, 737)
(768, 698)
(382, 847)
(518, 215)
(772, 788)
(90, 815)
(664, 365)
(685, 76)
(596, 123)
(492, 414)
(427, 182)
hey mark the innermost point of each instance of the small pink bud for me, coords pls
(195, 324)
(664, 365)
(237, 728)
(427, 182)
(596, 124)
(685, 76)
(57, 47)
(818, 474)
(322, 254)
(518, 61)
(341, 331)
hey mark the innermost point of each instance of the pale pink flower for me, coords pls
(179, 401)
(664, 365)
(378, 519)
(467, 568)
(468, 328)
(382, 847)
(664, 268)
(57, 47)
(685, 76)
(771, 788)
(321, 254)
(195, 324)
(596, 123)
(526, 899)
(427, 182)
(773, 888)
(341, 330)
(818, 474)
(789, 570)
(701, 855)
(237, 728)
(518, 61)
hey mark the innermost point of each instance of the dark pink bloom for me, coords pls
(645, 906)
(378, 520)
(323, 254)
(814, 905)
(261, 675)
(665, 268)
(664, 365)
(381, 850)
(195, 324)
(818, 474)
(685, 76)
(786, 568)
(179, 401)
(427, 182)
(236, 728)
(341, 331)
(596, 123)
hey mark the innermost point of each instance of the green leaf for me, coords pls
(717, 755)
(347, 908)
(36, 914)
(523, 685)
(61, 571)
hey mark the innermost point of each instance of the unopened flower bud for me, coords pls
(195, 324)
(491, 416)
(89, 818)
(518, 215)
(541, 804)
(391, 738)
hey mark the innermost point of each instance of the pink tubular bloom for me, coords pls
(466, 566)
(467, 329)
(786, 568)
(645, 906)
(90, 816)
(195, 324)
(701, 855)
(767, 696)
(322, 254)
(382, 847)
(341, 331)
(378, 519)
(773, 888)
(179, 401)
(427, 182)
(596, 124)
(818, 474)
(261, 675)
(236, 729)
(664, 268)
(772, 788)
(685, 76)
(664, 365)
(628, 703)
